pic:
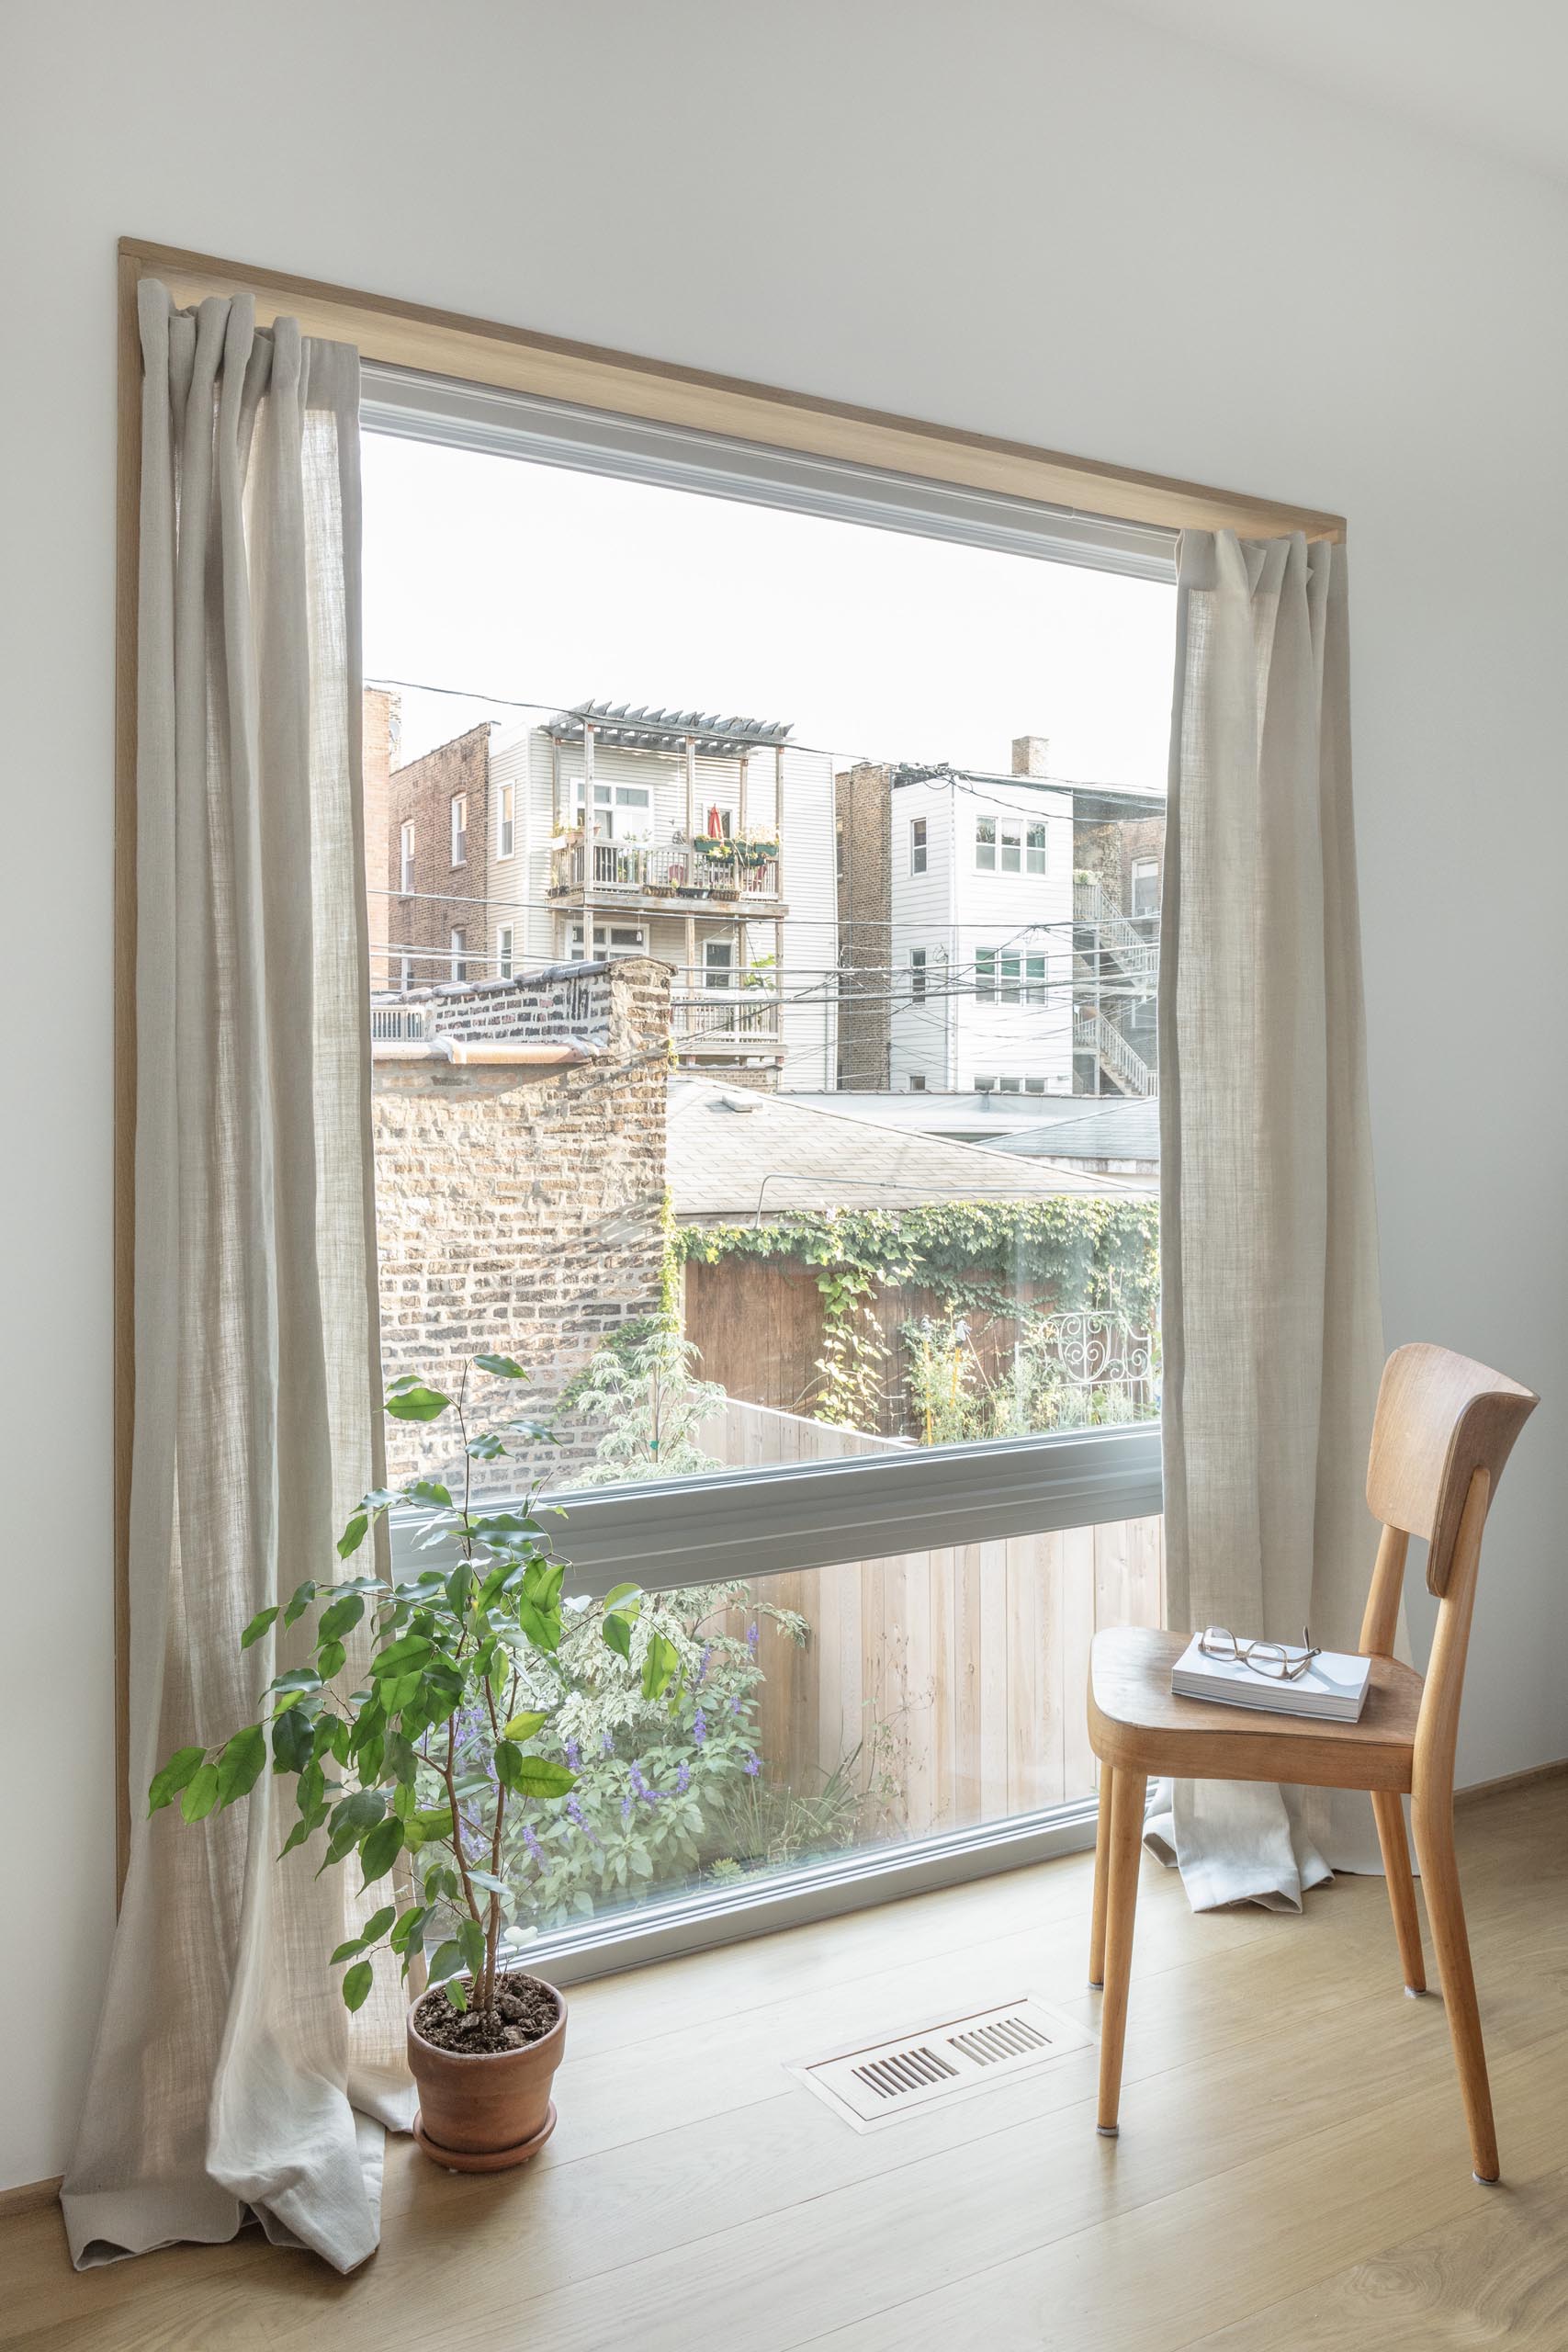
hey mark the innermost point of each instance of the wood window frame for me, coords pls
(512, 359)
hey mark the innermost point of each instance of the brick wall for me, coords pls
(445, 896)
(379, 725)
(518, 1211)
(863, 810)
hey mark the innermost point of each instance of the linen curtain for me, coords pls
(1271, 1323)
(228, 2081)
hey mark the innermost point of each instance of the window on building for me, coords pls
(1034, 979)
(1034, 849)
(459, 828)
(405, 972)
(504, 934)
(1034, 1086)
(610, 939)
(458, 955)
(1009, 968)
(622, 812)
(405, 859)
(1145, 886)
(917, 845)
(984, 976)
(1010, 839)
(986, 844)
(984, 1085)
(917, 1082)
(718, 963)
(917, 975)
(506, 820)
(1007, 1086)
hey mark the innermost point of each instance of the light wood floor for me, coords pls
(1291, 2174)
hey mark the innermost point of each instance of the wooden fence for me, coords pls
(964, 1666)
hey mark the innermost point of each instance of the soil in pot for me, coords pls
(525, 2010)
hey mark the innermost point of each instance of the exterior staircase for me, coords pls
(1121, 1061)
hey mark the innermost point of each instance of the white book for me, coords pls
(1333, 1688)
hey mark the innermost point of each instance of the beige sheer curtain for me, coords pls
(228, 2081)
(1272, 1329)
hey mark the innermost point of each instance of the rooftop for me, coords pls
(735, 1152)
(1065, 1127)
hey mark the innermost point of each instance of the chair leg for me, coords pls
(1128, 1792)
(1102, 1875)
(1445, 1910)
(1389, 1811)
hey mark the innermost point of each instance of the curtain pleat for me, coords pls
(228, 2081)
(1270, 1315)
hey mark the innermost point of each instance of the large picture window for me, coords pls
(787, 1114)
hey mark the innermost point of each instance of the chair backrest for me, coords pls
(1440, 1418)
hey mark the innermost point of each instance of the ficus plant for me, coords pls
(424, 1746)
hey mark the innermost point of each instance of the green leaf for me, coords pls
(538, 1776)
(241, 1764)
(340, 1618)
(523, 1727)
(347, 1951)
(409, 1925)
(625, 1600)
(459, 1584)
(448, 1962)
(411, 1400)
(296, 1837)
(351, 1819)
(202, 1794)
(618, 1637)
(485, 1449)
(430, 1491)
(294, 1741)
(504, 1367)
(258, 1627)
(541, 1626)
(357, 1984)
(354, 1534)
(661, 1661)
(303, 1596)
(377, 1926)
(329, 1659)
(296, 1683)
(400, 1658)
(177, 1774)
(381, 1847)
(508, 1763)
(471, 1941)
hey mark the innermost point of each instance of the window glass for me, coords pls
(986, 844)
(917, 975)
(917, 845)
(406, 857)
(459, 828)
(1010, 859)
(506, 827)
(504, 939)
(459, 953)
(1035, 849)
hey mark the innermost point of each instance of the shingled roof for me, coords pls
(735, 1152)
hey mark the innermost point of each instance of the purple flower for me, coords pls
(638, 1785)
(574, 1812)
(531, 1839)
(683, 1779)
(625, 1808)
(752, 1767)
(573, 1755)
(699, 1727)
(753, 1636)
(702, 1665)
(735, 1704)
(607, 1744)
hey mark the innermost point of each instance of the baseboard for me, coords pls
(27, 2197)
(1526, 1780)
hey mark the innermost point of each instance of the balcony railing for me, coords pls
(1117, 1056)
(746, 1019)
(675, 870)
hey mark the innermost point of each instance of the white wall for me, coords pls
(1113, 244)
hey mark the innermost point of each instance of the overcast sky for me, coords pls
(516, 579)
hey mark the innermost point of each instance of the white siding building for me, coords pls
(706, 842)
(981, 935)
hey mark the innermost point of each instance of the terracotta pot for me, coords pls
(484, 2110)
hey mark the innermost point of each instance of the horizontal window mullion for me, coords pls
(816, 1515)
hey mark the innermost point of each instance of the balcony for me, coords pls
(676, 878)
(724, 1023)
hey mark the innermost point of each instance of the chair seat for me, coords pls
(1136, 1724)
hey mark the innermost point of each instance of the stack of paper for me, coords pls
(1334, 1686)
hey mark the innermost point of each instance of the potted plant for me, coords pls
(407, 1713)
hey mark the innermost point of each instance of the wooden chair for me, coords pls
(1443, 1431)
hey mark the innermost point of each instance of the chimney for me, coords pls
(1032, 755)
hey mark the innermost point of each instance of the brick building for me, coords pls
(520, 1148)
(437, 864)
(379, 726)
(862, 827)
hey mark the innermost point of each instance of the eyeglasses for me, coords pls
(1264, 1657)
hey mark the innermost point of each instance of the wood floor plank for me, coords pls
(688, 2166)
